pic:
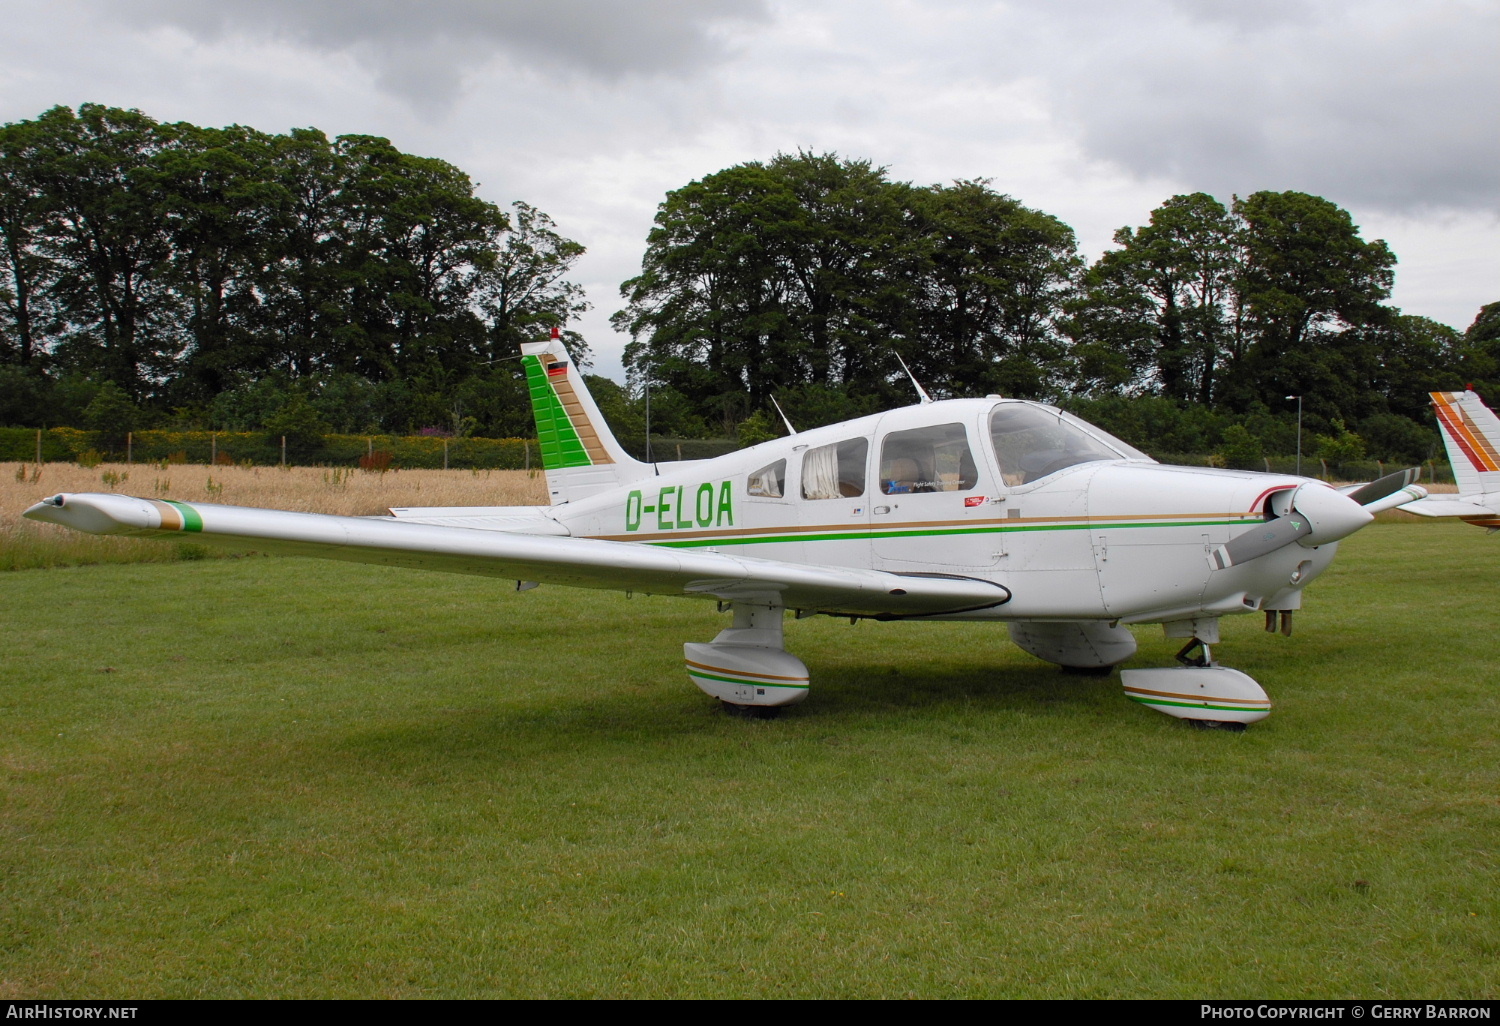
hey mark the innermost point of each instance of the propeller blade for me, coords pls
(1261, 539)
(1379, 489)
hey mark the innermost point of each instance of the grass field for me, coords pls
(272, 777)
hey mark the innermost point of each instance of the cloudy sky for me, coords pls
(1092, 110)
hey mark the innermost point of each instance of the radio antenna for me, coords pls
(915, 383)
(789, 429)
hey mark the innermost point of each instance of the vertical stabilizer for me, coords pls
(1471, 432)
(579, 452)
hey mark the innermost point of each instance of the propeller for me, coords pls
(1264, 539)
(1381, 487)
(1315, 515)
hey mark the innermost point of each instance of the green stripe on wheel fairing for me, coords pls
(191, 521)
(1201, 705)
(741, 680)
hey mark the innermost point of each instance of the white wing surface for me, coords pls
(1446, 506)
(579, 562)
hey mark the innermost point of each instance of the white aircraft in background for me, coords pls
(965, 509)
(1471, 434)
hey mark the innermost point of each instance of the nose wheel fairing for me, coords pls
(1199, 690)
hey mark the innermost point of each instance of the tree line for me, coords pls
(175, 276)
(812, 278)
(227, 277)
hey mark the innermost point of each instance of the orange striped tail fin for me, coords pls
(1471, 432)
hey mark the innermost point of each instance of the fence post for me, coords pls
(445, 454)
(283, 450)
(527, 444)
(129, 447)
(213, 448)
(39, 447)
(1267, 460)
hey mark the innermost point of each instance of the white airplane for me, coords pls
(966, 509)
(1471, 434)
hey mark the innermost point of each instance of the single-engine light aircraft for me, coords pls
(963, 509)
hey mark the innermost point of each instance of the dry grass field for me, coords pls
(25, 544)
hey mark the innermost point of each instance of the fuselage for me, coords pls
(1075, 523)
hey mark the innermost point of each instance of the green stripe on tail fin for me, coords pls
(555, 432)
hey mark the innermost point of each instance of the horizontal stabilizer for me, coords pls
(1447, 506)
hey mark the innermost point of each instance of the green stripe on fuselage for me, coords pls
(875, 534)
(558, 438)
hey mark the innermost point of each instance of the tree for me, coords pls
(1479, 352)
(524, 291)
(1306, 269)
(26, 274)
(811, 272)
(109, 240)
(991, 276)
(1167, 304)
(763, 276)
(1278, 296)
(218, 190)
(113, 415)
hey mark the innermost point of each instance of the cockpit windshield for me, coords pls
(1032, 442)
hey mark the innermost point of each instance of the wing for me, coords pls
(579, 562)
(517, 519)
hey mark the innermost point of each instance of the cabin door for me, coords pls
(930, 501)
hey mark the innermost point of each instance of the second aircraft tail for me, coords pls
(1471, 434)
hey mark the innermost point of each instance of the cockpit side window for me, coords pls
(1032, 443)
(927, 459)
(835, 471)
(768, 482)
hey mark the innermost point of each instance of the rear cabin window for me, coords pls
(929, 459)
(768, 482)
(1032, 443)
(835, 471)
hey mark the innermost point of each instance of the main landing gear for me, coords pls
(745, 667)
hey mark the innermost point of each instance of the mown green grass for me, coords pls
(268, 777)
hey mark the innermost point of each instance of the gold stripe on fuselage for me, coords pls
(874, 529)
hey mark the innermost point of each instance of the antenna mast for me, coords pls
(915, 383)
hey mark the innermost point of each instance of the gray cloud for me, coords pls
(1391, 106)
(423, 51)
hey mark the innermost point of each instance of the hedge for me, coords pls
(62, 445)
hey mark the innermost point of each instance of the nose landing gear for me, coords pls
(1207, 695)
